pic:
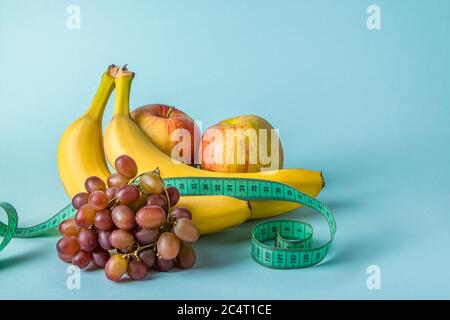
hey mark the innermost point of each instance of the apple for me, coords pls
(245, 143)
(170, 129)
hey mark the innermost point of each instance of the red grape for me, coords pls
(85, 216)
(98, 200)
(80, 199)
(137, 270)
(150, 217)
(103, 239)
(180, 212)
(157, 200)
(103, 220)
(67, 246)
(94, 183)
(164, 265)
(148, 257)
(186, 258)
(174, 195)
(116, 180)
(121, 239)
(88, 240)
(168, 245)
(127, 194)
(100, 257)
(69, 228)
(146, 236)
(81, 259)
(123, 217)
(116, 267)
(151, 183)
(111, 193)
(185, 230)
(126, 166)
(65, 257)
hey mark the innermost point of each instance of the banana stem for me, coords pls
(103, 93)
(123, 87)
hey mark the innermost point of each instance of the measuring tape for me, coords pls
(278, 244)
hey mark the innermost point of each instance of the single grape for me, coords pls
(103, 220)
(126, 166)
(94, 183)
(67, 246)
(146, 236)
(174, 195)
(100, 257)
(148, 257)
(103, 239)
(186, 257)
(185, 230)
(180, 212)
(127, 194)
(69, 227)
(150, 217)
(151, 183)
(123, 217)
(137, 270)
(168, 245)
(98, 200)
(85, 216)
(81, 259)
(157, 200)
(65, 257)
(88, 240)
(164, 264)
(116, 267)
(139, 203)
(80, 199)
(111, 193)
(116, 180)
(121, 239)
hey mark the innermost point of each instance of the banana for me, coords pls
(123, 136)
(80, 150)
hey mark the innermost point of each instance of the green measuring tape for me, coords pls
(279, 244)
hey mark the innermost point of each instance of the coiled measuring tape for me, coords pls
(278, 244)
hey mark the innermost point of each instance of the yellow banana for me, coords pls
(123, 136)
(80, 150)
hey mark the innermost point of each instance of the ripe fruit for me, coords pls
(80, 150)
(123, 217)
(185, 230)
(80, 200)
(85, 216)
(174, 195)
(126, 167)
(168, 245)
(247, 144)
(151, 183)
(69, 228)
(116, 180)
(121, 239)
(127, 194)
(98, 200)
(150, 217)
(116, 267)
(180, 212)
(88, 240)
(94, 183)
(165, 126)
(106, 225)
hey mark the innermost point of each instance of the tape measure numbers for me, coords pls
(292, 240)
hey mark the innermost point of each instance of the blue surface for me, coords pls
(369, 108)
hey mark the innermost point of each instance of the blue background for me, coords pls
(369, 108)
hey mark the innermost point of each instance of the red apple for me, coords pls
(171, 130)
(242, 144)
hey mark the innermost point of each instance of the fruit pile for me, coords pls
(128, 225)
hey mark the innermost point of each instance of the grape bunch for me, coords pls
(128, 225)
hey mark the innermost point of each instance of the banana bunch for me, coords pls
(83, 148)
